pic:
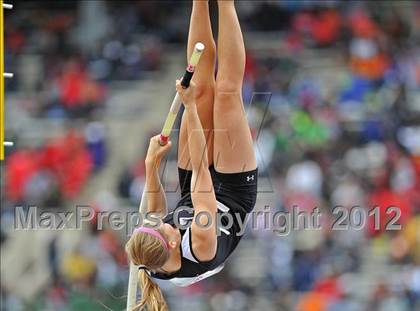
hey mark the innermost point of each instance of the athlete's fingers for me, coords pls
(163, 150)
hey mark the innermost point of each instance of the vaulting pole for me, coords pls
(164, 137)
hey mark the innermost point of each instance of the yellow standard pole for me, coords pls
(1, 81)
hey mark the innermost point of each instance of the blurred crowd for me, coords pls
(342, 130)
(66, 53)
(333, 104)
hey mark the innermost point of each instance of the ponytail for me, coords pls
(152, 296)
(147, 250)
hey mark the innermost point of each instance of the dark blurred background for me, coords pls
(332, 90)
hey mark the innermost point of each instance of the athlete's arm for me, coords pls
(204, 239)
(156, 199)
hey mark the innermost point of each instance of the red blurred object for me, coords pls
(250, 67)
(21, 165)
(329, 287)
(326, 27)
(385, 198)
(70, 162)
(71, 83)
(362, 25)
(65, 157)
(77, 172)
(77, 88)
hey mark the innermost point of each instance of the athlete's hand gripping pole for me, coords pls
(176, 103)
(164, 137)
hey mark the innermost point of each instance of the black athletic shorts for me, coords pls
(238, 191)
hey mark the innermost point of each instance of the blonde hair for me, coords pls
(145, 249)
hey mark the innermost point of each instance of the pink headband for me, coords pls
(153, 232)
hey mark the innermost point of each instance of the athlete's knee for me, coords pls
(228, 100)
(228, 87)
(204, 90)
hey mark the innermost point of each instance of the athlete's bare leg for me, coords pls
(200, 31)
(233, 147)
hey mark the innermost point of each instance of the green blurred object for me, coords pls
(308, 130)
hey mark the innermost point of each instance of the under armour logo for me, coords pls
(249, 178)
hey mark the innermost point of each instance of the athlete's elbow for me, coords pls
(205, 248)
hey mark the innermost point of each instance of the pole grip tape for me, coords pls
(163, 140)
(186, 79)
